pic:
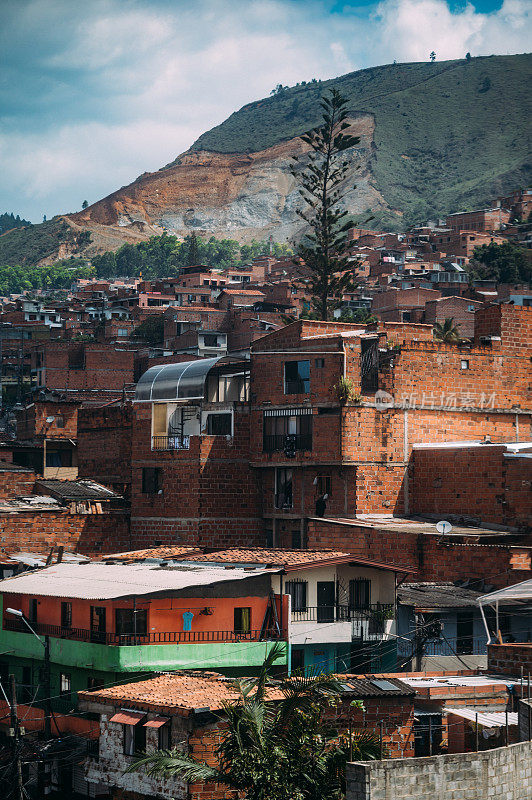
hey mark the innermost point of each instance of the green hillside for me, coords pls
(449, 136)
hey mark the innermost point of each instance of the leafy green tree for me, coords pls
(362, 315)
(432, 57)
(504, 263)
(85, 204)
(324, 249)
(105, 265)
(281, 750)
(447, 331)
(151, 330)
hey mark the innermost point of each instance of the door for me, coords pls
(464, 632)
(98, 624)
(326, 601)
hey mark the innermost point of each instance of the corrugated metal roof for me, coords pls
(437, 595)
(76, 490)
(97, 581)
(488, 719)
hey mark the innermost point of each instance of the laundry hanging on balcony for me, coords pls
(187, 620)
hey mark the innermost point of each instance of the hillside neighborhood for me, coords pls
(197, 474)
(265, 400)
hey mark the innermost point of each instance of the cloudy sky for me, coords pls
(94, 93)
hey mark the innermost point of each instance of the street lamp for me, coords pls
(16, 612)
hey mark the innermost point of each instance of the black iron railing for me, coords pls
(371, 620)
(271, 443)
(170, 442)
(124, 639)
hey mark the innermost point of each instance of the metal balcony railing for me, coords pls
(271, 443)
(369, 621)
(170, 442)
(124, 639)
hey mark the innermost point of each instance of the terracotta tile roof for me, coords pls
(153, 552)
(247, 292)
(275, 556)
(182, 693)
(178, 692)
(290, 559)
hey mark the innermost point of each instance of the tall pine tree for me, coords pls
(193, 252)
(324, 248)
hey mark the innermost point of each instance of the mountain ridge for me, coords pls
(435, 138)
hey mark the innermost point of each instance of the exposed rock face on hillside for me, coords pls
(241, 196)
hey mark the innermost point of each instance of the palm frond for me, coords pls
(173, 763)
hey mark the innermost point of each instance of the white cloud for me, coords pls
(105, 90)
(411, 29)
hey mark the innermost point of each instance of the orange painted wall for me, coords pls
(164, 614)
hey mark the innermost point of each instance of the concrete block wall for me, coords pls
(501, 774)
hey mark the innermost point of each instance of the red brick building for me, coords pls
(489, 219)
(460, 309)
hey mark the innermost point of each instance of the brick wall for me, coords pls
(15, 482)
(210, 495)
(104, 446)
(38, 531)
(502, 774)
(86, 367)
(429, 559)
(48, 419)
(460, 309)
(507, 659)
(477, 482)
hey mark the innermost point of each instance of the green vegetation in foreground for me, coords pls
(54, 276)
(449, 136)
(164, 256)
(10, 221)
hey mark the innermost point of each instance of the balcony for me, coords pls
(170, 442)
(132, 639)
(272, 443)
(361, 622)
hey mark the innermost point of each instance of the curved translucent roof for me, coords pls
(183, 381)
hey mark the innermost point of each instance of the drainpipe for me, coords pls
(405, 457)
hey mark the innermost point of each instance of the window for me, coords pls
(94, 683)
(319, 363)
(464, 363)
(219, 424)
(65, 683)
(121, 332)
(283, 488)
(134, 738)
(66, 615)
(151, 480)
(359, 593)
(210, 340)
(471, 308)
(278, 425)
(297, 377)
(298, 592)
(32, 615)
(242, 617)
(131, 622)
(323, 484)
(60, 421)
(165, 737)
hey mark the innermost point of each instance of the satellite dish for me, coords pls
(444, 527)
